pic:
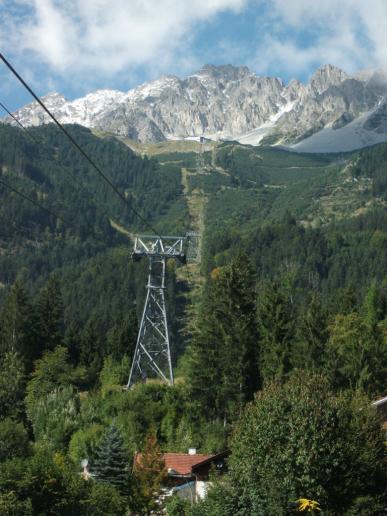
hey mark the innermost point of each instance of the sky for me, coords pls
(78, 46)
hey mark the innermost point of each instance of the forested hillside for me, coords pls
(288, 308)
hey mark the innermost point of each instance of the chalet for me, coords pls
(188, 474)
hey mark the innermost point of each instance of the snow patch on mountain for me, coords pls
(227, 102)
(255, 136)
(352, 136)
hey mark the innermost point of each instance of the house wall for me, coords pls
(201, 488)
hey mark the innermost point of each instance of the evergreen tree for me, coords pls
(276, 325)
(18, 325)
(12, 384)
(121, 339)
(374, 308)
(311, 337)
(357, 357)
(343, 301)
(111, 462)
(224, 347)
(50, 315)
(92, 348)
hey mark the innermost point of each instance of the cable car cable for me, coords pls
(77, 146)
(56, 159)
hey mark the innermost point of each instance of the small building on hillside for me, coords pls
(188, 474)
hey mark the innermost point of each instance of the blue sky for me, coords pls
(77, 46)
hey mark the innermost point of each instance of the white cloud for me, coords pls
(109, 36)
(94, 42)
(304, 34)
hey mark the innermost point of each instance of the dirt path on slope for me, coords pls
(196, 202)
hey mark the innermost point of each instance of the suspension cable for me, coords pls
(78, 146)
(56, 159)
(36, 203)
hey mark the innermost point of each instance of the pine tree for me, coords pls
(223, 371)
(111, 462)
(12, 385)
(357, 356)
(18, 325)
(311, 337)
(122, 337)
(374, 308)
(50, 315)
(276, 324)
(92, 348)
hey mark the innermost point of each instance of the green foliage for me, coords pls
(276, 323)
(51, 371)
(55, 417)
(121, 339)
(105, 500)
(370, 164)
(18, 324)
(176, 506)
(113, 374)
(10, 505)
(111, 463)
(356, 354)
(224, 348)
(50, 315)
(85, 442)
(220, 500)
(13, 440)
(44, 482)
(88, 256)
(311, 334)
(12, 385)
(327, 448)
(149, 474)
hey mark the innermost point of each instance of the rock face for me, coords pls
(228, 102)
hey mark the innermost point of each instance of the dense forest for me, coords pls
(278, 335)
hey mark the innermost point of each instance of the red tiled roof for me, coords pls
(181, 463)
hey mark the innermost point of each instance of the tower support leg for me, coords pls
(152, 355)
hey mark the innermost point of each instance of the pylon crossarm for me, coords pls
(145, 245)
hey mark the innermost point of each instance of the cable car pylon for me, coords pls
(152, 355)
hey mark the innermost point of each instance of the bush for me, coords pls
(300, 440)
(13, 439)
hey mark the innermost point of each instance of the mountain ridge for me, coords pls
(232, 103)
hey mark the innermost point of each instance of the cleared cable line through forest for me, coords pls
(78, 146)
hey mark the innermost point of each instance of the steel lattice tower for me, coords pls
(152, 355)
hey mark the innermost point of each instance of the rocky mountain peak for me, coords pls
(325, 76)
(231, 102)
(229, 71)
